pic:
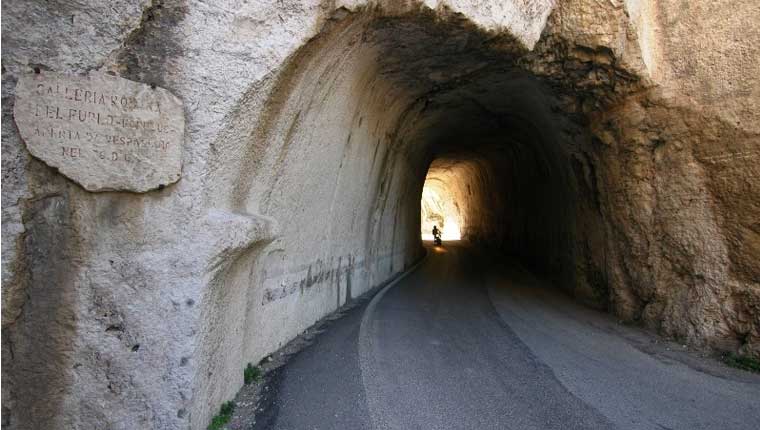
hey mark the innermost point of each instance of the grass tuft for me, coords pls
(742, 362)
(223, 417)
(251, 374)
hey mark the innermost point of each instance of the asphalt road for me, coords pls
(466, 343)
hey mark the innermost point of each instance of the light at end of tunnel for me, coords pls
(440, 210)
(451, 230)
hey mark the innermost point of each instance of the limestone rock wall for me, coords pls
(309, 127)
(682, 178)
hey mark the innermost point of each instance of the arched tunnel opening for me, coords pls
(501, 164)
(357, 121)
(504, 143)
(441, 210)
(501, 132)
(377, 103)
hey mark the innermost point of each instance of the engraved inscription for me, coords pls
(102, 131)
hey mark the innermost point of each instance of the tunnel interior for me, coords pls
(498, 141)
(359, 118)
(381, 103)
(497, 151)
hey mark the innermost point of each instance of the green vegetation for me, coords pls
(223, 417)
(251, 373)
(742, 362)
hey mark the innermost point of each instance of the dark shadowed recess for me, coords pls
(505, 139)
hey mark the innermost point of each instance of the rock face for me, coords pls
(613, 146)
(104, 132)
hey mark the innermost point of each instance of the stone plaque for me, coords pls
(102, 131)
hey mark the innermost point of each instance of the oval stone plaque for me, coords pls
(104, 132)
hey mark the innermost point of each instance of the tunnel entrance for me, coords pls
(440, 209)
(498, 140)
(388, 122)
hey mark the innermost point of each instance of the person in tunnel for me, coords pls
(436, 235)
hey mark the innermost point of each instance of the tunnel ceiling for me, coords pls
(469, 88)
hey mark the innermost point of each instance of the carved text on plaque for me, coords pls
(102, 131)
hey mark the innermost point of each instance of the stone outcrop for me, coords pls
(613, 146)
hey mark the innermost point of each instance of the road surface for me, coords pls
(467, 343)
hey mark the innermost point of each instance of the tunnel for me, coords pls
(364, 114)
(321, 145)
(386, 103)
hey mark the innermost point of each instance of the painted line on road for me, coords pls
(366, 356)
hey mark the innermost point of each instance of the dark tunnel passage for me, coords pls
(378, 102)
(499, 160)
(358, 119)
(507, 144)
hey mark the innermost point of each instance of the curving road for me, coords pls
(464, 343)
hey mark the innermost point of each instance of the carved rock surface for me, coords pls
(104, 132)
